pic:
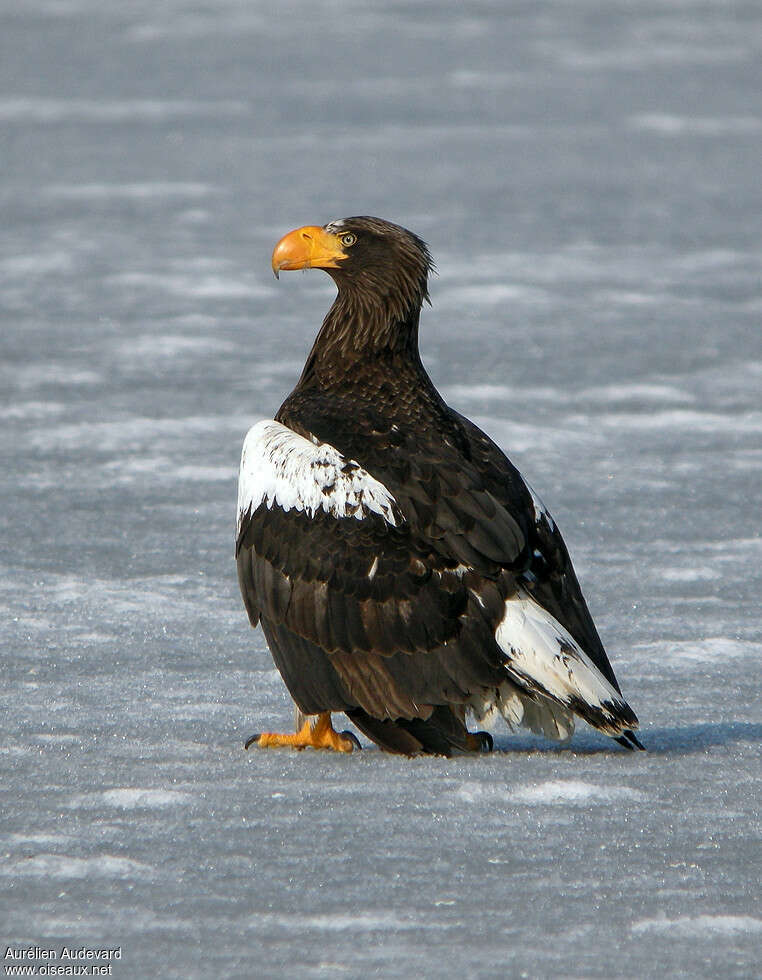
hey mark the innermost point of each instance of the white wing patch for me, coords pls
(545, 658)
(281, 468)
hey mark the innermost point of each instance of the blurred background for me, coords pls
(587, 176)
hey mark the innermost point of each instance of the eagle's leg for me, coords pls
(317, 732)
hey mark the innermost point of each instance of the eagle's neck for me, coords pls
(365, 368)
(364, 331)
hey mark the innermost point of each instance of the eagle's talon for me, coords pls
(353, 738)
(316, 732)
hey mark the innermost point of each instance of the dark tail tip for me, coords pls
(630, 741)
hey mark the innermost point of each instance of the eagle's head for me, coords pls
(375, 264)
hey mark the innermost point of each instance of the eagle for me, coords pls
(401, 568)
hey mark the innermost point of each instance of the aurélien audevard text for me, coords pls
(57, 962)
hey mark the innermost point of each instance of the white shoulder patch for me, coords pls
(282, 469)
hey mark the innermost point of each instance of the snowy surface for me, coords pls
(588, 178)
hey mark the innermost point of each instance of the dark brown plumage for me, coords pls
(400, 567)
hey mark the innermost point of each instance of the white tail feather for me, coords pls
(544, 658)
(521, 710)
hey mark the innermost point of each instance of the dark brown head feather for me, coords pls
(382, 285)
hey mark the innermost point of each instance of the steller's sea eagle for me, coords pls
(402, 570)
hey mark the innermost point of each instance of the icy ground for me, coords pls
(588, 177)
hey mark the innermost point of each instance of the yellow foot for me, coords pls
(316, 733)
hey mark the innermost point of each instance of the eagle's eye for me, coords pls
(348, 239)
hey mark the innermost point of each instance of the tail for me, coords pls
(630, 741)
(543, 659)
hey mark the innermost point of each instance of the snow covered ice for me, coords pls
(587, 177)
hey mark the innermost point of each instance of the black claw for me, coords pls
(251, 741)
(487, 742)
(353, 738)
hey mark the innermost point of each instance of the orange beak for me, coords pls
(308, 248)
